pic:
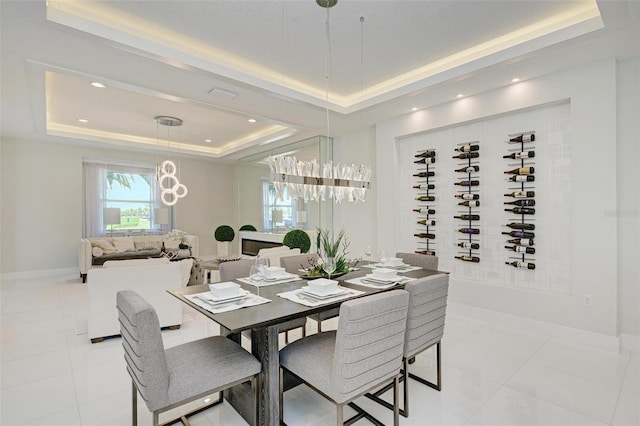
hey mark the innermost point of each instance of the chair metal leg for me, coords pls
(438, 385)
(134, 404)
(340, 413)
(286, 337)
(405, 374)
(319, 326)
(155, 421)
(396, 409)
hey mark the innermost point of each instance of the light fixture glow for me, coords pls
(83, 120)
(252, 120)
(515, 80)
(98, 84)
(208, 140)
(459, 95)
(414, 109)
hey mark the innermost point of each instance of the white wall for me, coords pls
(628, 208)
(592, 94)
(42, 209)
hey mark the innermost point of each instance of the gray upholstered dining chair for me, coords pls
(364, 353)
(242, 268)
(425, 328)
(293, 264)
(422, 260)
(173, 377)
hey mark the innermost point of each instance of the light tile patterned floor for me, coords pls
(492, 375)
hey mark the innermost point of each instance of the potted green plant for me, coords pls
(224, 234)
(247, 228)
(330, 246)
(297, 238)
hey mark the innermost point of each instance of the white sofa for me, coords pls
(87, 260)
(151, 278)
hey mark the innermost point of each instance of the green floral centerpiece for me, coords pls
(328, 246)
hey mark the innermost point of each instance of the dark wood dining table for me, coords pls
(262, 320)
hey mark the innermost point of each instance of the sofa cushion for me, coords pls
(147, 245)
(106, 246)
(97, 251)
(123, 244)
(140, 254)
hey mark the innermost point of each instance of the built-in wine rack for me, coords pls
(521, 200)
(425, 201)
(468, 196)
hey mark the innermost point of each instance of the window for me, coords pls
(273, 207)
(132, 189)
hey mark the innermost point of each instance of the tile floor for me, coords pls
(492, 375)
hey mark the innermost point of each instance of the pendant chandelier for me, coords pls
(311, 180)
(170, 187)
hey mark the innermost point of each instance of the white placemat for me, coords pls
(264, 283)
(218, 308)
(364, 282)
(400, 269)
(298, 297)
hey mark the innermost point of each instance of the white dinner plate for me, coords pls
(213, 299)
(338, 292)
(280, 278)
(370, 277)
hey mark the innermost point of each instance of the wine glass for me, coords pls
(383, 256)
(329, 266)
(368, 252)
(261, 263)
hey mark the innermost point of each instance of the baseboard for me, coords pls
(630, 342)
(568, 334)
(39, 273)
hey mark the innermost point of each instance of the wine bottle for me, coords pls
(424, 174)
(467, 245)
(427, 153)
(522, 203)
(468, 148)
(521, 210)
(468, 169)
(521, 249)
(427, 222)
(474, 259)
(521, 241)
(470, 203)
(527, 170)
(520, 234)
(522, 178)
(469, 230)
(425, 198)
(465, 155)
(424, 186)
(467, 196)
(518, 264)
(520, 155)
(467, 183)
(517, 225)
(524, 138)
(424, 211)
(163, 249)
(426, 160)
(425, 235)
(468, 217)
(521, 194)
(427, 252)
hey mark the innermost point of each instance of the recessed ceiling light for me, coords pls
(83, 120)
(252, 120)
(459, 95)
(208, 140)
(98, 84)
(515, 80)
(414, 109)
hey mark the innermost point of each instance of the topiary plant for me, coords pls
(247, 228)
(297, 238)
(224, 233)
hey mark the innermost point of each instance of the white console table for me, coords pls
(251, 242)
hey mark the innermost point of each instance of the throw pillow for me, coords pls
(97, 251)
(147, 245)
(106, 246)
(123, 244)
(171, 244)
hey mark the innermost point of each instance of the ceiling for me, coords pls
(217, 64)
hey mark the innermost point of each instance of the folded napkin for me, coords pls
(298, 296)
(260, 282)
(232, 305)
(401, 268)
(364, 281)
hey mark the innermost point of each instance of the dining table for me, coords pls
(262, 321)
